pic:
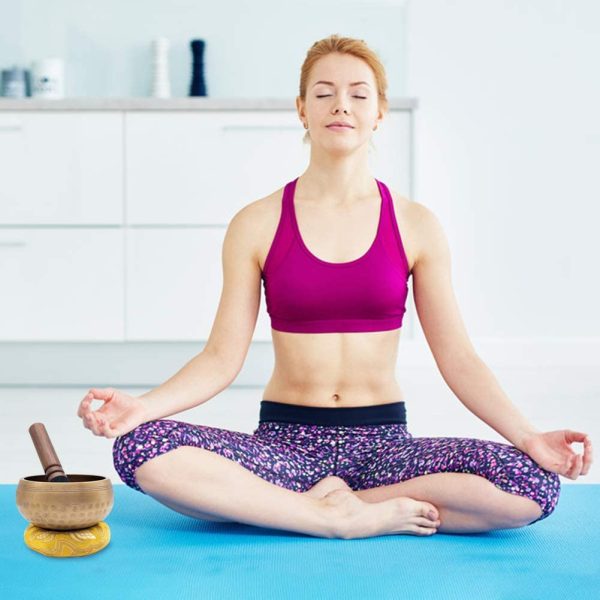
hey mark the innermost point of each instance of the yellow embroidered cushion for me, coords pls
(62, 544)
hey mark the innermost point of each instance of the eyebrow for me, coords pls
(331, 83)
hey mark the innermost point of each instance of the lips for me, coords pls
(340, 124)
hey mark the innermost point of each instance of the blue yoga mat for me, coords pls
(156, 552)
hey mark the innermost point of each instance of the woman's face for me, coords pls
(340, 100)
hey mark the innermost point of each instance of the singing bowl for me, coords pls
(83, 501)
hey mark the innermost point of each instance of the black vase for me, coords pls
(198, 86)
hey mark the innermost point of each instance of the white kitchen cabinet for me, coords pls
(61, 284)
(166, 183)
(202, 167)
(174, 282)
(61, 168)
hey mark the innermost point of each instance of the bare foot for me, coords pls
(326, 485)
(366, 519)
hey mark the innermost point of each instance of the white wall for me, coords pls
(254, 48)
(507, 154)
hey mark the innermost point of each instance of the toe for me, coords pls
(423, 522)
(430, 511)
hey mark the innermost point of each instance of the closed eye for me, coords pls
(326, 95)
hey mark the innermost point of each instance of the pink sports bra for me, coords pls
(305, 294)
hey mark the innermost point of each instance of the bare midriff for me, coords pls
(334, 369)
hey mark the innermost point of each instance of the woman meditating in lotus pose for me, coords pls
(332, 455)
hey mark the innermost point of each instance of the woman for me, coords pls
(332, 455)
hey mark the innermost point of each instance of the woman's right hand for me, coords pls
(120, 413)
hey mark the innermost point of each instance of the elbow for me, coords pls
(453, 362)
(228, 365)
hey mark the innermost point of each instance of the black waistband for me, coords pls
(378, 414)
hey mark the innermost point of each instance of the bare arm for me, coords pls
(461, 367)
(219, 363)
(198, 381)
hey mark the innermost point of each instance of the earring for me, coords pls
(305, 126)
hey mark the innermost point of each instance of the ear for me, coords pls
(300, 107)
(380, 115)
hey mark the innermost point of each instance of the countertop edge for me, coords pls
(191, 103)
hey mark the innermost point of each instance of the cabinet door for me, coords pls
(174, 283)
(61, 167)
(202, 167)
(61, 284)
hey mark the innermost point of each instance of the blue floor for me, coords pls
(155, 552)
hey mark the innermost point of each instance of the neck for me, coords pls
(336, 182)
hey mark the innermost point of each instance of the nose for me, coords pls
(340, 105)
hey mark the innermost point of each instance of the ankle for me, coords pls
(339, 509)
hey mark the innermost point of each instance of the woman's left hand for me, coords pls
(551, 450)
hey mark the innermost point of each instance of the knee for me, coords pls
(548, 493)
(133, 449)
(528, 515)
(522, 476)
(129, 445)
(544, 490)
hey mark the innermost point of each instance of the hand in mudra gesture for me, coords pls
(552, 451)
(120, 413)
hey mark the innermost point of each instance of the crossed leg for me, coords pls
(467, 503)
(477, 485)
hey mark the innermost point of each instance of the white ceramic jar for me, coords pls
(47, 78)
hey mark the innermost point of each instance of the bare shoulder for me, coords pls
(421, 229)
(257, 222)
(412, 218)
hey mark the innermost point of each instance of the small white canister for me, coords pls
(48, 78)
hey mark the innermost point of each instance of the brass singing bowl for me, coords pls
(83, 501)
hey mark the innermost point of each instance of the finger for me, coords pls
(109, 430)
(104, 393)
(87, 422)
(103, 426)
(567, 465)
(92, 423)
(578, 466)
(575, 469)
(574, 436)
(587, 455)
(84, 404)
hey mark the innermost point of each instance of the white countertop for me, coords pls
(186, 103)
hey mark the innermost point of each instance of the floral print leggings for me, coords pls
(297, 446)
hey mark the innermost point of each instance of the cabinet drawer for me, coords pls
(61, 168)
(61, 285)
